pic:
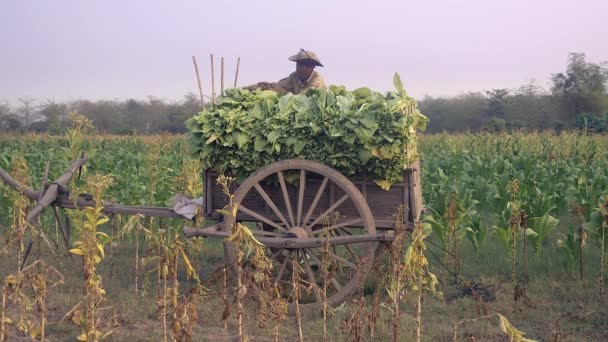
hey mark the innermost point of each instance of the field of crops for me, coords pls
(517, 224)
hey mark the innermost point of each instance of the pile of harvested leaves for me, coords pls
(354, 132)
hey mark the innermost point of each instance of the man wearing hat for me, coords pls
(301, 80)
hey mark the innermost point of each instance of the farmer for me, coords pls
(301, 80)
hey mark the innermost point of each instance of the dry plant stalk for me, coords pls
(186, 314)
(514, 225)
(524, 226)
(354, 325)
(244, 243)
(419, 276)
(452, 217)
(3, 319)
(295, 283)
(38, 277)
(91, 248)
(381, 276)
(582, 237)
(328, 265)
(181, 307)
(154, 149)
(603, 208)
(22, 174)
(134, 223)
(226, 312)
(395, 286)
(273, 307)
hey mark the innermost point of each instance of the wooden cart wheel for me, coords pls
(311, 208)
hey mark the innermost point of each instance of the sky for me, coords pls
(78, 49)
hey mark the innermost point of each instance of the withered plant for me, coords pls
(603, 209)
(244, 243)
(27, 289)
(395, 285)
(90, 247)
(419, 277)
(22, 174)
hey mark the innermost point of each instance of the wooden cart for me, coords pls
(321, 209)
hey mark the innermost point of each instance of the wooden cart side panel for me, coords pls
(382, 203)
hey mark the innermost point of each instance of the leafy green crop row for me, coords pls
(554, 175)
(550, 177)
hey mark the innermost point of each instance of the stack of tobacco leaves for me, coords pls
(354, 132)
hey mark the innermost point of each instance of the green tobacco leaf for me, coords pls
(398, 84)
(260, 143)
(240, 138)
(362, 92)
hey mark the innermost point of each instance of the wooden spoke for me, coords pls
(271, 204)
(311, 277)
(337, 226)
(342, 260)
(286, 197)
(261, 218)
(346, 232)
(353, 255)
(282, 269)
(275, 255)
(301, 195)
(329, 210)
(333, 280)
(313, 206)
(348, 248)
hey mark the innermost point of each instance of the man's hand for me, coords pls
(265, 85)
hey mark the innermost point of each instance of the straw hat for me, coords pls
(306, 55)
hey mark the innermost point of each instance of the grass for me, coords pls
(555, 293)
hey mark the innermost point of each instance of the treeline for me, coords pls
(577, 98)
(110, 116)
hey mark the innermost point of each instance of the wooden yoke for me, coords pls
(44, 197)
(50, 194)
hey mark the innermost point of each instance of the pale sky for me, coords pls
(110, 49)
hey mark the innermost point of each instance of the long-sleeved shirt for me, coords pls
(292, 84)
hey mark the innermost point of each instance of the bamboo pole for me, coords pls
(236, 75)
(212, 81)
(222, 77)
(200, 85)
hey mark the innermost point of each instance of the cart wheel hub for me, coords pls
(297, 232)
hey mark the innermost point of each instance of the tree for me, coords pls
(54, 114)
(582, 89)
(497, 102)
(27, 110)
(459, 113)
(8, 120)
(533, 107)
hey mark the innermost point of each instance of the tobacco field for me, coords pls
(514, 232)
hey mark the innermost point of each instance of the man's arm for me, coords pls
(316, 82)
(261, 85)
